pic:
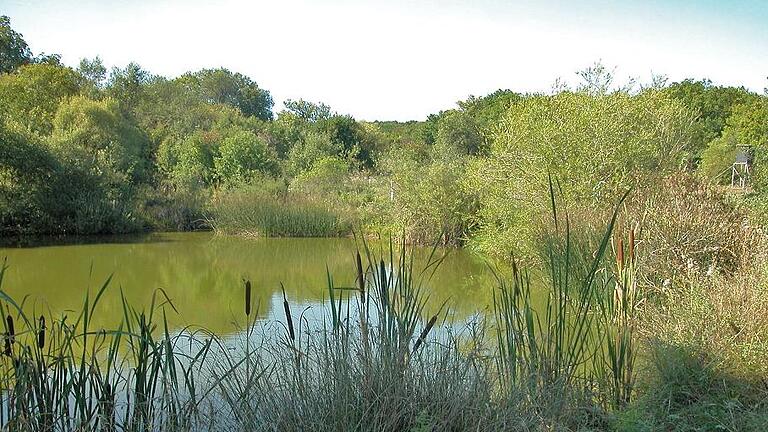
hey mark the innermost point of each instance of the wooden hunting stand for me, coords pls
(740, 171)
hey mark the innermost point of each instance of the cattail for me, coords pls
(11, 332)
(41, 333)
(425, 332)
(383, 278)
(383, 273)
(632, 246)
(10, 336)
(360, 277)
(287, 314)
(247, 298)
(620, 254)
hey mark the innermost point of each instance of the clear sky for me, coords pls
(401, 60)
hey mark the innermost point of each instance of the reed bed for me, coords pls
(378, 360)
(257, 214)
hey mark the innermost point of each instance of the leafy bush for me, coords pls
(31, 95)
(241, 156)
(597, 146)
(428, 201)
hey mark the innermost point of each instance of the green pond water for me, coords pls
(202, 275)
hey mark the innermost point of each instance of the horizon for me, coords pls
(402, 61)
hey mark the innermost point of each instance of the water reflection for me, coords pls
(202, 274)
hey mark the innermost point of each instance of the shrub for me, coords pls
(597, 146)
(428, 200)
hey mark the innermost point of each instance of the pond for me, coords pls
(203, 274)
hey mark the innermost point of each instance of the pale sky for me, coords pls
(402, 60)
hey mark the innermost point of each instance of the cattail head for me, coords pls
(425, 332)
(11, 331)
(41, 333)
(632, 246)
(7, 349)
(384, 285)
(360, 276)
(620, 254)
(247, 298)
(288, 318)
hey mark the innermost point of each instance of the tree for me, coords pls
(429, 200)
(27, 175)
(349, 139)
(747, 126)
(32, 94)
(311, 146)
(712, 105)
(234, 89)
(595, 147)
(487, 111)
(14, 51)
(127, 86)
(94, 74)
(457, 136)
(94, 136)
(308, 111)
(242, 156)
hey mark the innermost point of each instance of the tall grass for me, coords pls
(262, 215)
(577, 348)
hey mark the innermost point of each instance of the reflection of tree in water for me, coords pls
(202, 274)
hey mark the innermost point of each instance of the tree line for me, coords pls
(85, 150)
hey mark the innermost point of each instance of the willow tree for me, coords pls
(595, 146)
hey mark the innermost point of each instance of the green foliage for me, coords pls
(127, 86)
(718, 158)
(234, 89)
(349, 139)
(749, 123)
(711, 104)
(458, 135)
(14, 51)
(94, 136)
(746, 126)
(94, 75)
(323, 178)
(486, 112)
(241, 156)
(407, 136)
(596, 146)
(429, 201)
(187, 162)
(311, 147)
(31, 95)
(27, 174)
(308, 111)
(41, 193)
